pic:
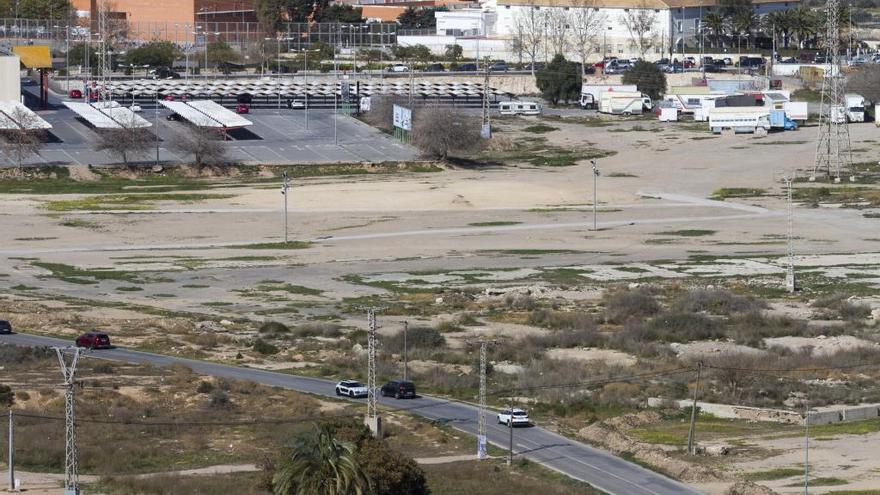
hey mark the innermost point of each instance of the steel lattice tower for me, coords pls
(481, 421)
(68, 370)
(833, 150)
(372, 410)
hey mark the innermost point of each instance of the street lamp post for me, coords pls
(595, 189)
(285, 187)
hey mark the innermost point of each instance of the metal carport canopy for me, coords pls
(9, 112)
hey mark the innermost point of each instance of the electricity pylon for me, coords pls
(68, 370)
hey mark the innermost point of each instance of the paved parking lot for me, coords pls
(277, 137)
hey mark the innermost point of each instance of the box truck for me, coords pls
(624, 103)
(855, 107)
(796, 110)
(591, 93)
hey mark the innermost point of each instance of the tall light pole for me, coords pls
(595, 189)
(285, 187)
(306, 83)
(157, 126)
(277, 67)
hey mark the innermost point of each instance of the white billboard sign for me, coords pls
(402, 118)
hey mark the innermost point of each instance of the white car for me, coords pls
(296, 104)
(398, 68)
(519, 418)
(351, 388)
(136, 108)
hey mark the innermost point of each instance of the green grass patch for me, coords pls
(540, 128)
(74, 275)
(290, 288)
(217, 303)
(275, 245)
(140, 201)
(620, 174)
(530, 252)
(499, 223)
(130, 289)
(773, 143)
(738, 192)
(688, 232)
(808, 95)
(80, 223)
(774, 474)
(854, 492)
(829, 481)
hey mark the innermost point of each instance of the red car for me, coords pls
(242, 108)
(75, 93)
(93, 341)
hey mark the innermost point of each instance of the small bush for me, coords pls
(317, 329)
(7, 398)
(104, 368)
(274, 327)
(561, 320)
(205, 387)
(22, 395)
(624, 304)
(839, 304)
(220, 399)
(264, 347)
(448, 326)
(716, 301)
(416, 338)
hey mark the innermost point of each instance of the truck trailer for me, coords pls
(591, 93)
(619, 103)
(740, 120)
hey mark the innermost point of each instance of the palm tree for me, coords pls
(777, 23)
(743, 22)
(805, 24)
(320, 465)
(714, 22)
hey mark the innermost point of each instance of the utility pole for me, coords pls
(157, 127)
(412, 83)
(510, 441)
(68, 370)
(481, 415)
(595, 195)
(11, 457)
(692, 431)
(790, 284)
(373, 421)
(405, 366)
(806, 446)
(285, 187)
(486, 131)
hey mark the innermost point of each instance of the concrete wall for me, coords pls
(10, 79)
(818, 416)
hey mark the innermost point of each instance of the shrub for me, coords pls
(753, 327)
(647, 77)
(839, 304)
(619, 393)
(716, 301)
(104, 368)
(205, 387)
(673, 327)
(264, 347)
(22, 395)
(220, 399)
(416, 338)
(437, 131)
(581, 337)
(561, 320)
(7, 398)
(317, 329)
(624, 304)
(274, 327)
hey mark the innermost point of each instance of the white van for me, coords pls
(519, 108)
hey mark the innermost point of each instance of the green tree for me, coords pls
(743, 22)
(77, 55)
(44, 9)
(154, 54)
(268, 12)
(419, 18)
(341, 13)
(716, 25)
(219, 53)
(320, 464)
(648, 78)
(559, 80)
(454, 52)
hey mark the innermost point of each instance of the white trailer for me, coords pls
(739, 119)
(592, 93)
(796, 110)
(623, 103)
(689, 103)
(855, 107)
(519, 108)
(701, 113)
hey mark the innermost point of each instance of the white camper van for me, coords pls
(519, 108)
(620, 103)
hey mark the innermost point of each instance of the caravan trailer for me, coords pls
(739, 119)
(519, 108)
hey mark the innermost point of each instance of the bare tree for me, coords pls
(204, 145)
(585, 24)
(530, 22)
(640, 21)
(556, 24)
(25, 138)
(130, 139)
(438, 130)
(516, 40)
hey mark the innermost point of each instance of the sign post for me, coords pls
(402, 120)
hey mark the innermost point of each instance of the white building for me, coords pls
(674, 25)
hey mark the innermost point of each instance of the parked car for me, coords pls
(242, 108)
(245, 98)
(75, 93)
(713, 67)
(296, 104)
(727, 61)
(93, 340)
(498, 67)
(398, 68)
(467, 68)
(164, 73)
(173, 117)
(135, 108)
(517, 418)
(5, 326)
(537, 65)
(435, 68)
(674, 68)
(168, 98)
(751, 62)
(399, 389)
(351, 388)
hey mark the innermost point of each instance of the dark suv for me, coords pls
(93, 341)
(5, 326)
(399, 389)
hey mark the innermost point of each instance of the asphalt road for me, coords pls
(579, 461)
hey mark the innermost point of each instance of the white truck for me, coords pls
(855, 107)
(619, 103)
(591, 93)
(796, 110)
(739, 120)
